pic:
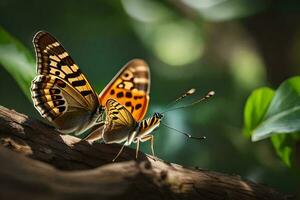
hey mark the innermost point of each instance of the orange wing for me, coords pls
(130, 87)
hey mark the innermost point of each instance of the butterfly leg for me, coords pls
(137, 149)
(119, 153)
(151, 138)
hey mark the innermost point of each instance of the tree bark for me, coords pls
(43, 164)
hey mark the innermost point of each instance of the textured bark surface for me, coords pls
(42, 164)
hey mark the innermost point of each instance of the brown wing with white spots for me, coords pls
(53, 59)
(130, 87)
(119, 123)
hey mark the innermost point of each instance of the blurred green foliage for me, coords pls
(283, 114)
(221, 10)
(17, 60)
(271, 113)
(206, 44)
(256, 107)
(285, 146)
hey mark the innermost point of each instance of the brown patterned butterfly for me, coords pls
(63, 95)
(121, 127)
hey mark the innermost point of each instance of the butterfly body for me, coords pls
(147, 126)
(121, 127)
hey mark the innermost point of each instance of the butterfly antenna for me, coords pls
(188, 93)
(207, 96)
(186, 134)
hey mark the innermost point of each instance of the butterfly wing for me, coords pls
(119, 123)
(59, 77)
(53, 59)
(95, 134)
(130, 87)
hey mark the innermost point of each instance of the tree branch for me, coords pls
(74, 169)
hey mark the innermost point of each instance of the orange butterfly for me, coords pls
(62, 94)
(130, 87)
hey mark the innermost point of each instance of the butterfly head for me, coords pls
(158, 115)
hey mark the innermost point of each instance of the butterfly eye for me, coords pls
(161, 115)
(158, 115)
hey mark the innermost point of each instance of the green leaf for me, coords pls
(283, 115)
(284, 145)
(17, 60)
(256, 107)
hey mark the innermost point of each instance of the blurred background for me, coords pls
(230, 46)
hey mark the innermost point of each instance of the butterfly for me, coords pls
(62, 94)
(120, 126)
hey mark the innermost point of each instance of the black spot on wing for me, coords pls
(138, 106)
(78, 83)
(115, 118)
(61, 108)
(67, 61)
(58, 102)
(60, 83)
(58, 65)
(54, 91)
(120, 94)
(86, 92)
(138, 97)
(128, 94)
(73, 75)
(56, 97)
